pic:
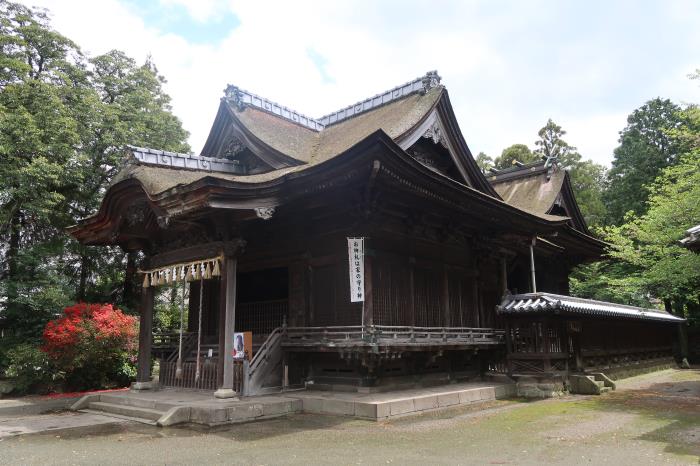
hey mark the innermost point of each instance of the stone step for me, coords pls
(125, 410)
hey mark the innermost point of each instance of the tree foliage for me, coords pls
(484, 162)
(64, 120)
(515, 153)
(645, 260)
(646, 148)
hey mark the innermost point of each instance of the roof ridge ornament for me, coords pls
(430, 80)
(234, 94)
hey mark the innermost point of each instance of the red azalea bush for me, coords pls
(94, 345)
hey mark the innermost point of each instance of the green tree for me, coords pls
(43, 83)
(648, 244)
(587, 177)
(645, 260)
(515, 153)
(552, 145)
(64, 119)
(646, 148)
(484, 162)
(130, 107)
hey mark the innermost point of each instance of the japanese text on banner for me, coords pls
(356, 259)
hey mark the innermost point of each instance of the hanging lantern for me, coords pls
(197, 272)
(217, 270)
(207, 272)
(154, 279)
(161, 278)
(176, 274)
(188, 275)
(146, 283)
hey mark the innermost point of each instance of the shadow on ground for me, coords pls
(675, 403)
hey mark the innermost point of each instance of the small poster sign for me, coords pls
(356, 258)
(239, 344)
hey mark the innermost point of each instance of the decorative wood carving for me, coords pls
(233, 148)
(264, 213)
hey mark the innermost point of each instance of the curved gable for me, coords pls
(264, 136)
(540, 189)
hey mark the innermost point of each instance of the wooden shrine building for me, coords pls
(462, 272)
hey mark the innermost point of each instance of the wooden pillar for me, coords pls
(476, 297)
(509, 348)
(412, 297)
(504, 276)
(143, 373)
(446, 297)
(533, 278)
(228, 328)
(220, 326)
(546, 345)
(368, 314)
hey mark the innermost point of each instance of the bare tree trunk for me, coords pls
(12, 264)
(129, 295)
(678, 307)
(82, 284)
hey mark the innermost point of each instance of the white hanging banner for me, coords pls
(356, 259)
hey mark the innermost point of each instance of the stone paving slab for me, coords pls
(52, 422)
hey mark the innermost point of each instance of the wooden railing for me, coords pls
(390, 335)
(208, 374)
(263, 353)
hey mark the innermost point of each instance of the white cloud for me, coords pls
(504, 74)
(200, 10)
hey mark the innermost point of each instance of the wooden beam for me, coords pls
(193, 253)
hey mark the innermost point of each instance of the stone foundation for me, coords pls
(631, 370)
(540, 387)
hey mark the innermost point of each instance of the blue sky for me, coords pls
(508, 65)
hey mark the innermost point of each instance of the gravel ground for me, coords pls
(652, 419)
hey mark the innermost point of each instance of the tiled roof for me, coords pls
(548, 303)
(533, 187)
(242, 98)
(692, 238)
(193, 162)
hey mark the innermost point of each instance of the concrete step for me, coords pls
(125, 410)
(126, 400)
(119, 416)
(605, 390)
